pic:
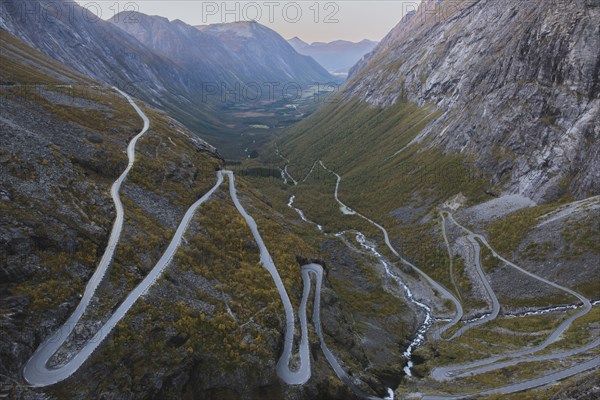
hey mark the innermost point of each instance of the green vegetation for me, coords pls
(160, 154)
(502, 335)
(227, 258)
(377, 304)
(581, 237)
(240, 321)
(359, 141)
(245, 323)
(573, 387)
(507, 299)
(489, 263)
(538, 251)
(28, 77)
(243, 330)
(170, 165)
(506, 234)
(578, 241)
(21, 65)
(581, 332)
(513, 374)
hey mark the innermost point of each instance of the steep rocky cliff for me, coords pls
(516, 78)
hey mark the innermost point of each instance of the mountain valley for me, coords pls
(427, 229)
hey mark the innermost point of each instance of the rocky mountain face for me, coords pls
(88, 45)
(517, 84)
(265, 55)
(338, 56)
(243, 53)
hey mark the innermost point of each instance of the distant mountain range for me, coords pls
(236, 53)
(337, 56)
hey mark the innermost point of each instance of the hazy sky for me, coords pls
(310, 20)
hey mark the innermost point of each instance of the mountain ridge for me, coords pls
(101, 51)
(337, 56)
(240, 52)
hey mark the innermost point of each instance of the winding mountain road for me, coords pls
(422, 331)
(526, 385)
(438, 287)
(302, 373)
(514, 358)
(567, 210)
(488, 288)
(504, 360)
(36, 371)
(316, 270)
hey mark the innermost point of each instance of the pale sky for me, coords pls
(310, 20)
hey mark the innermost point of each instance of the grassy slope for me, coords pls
(358, 141)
